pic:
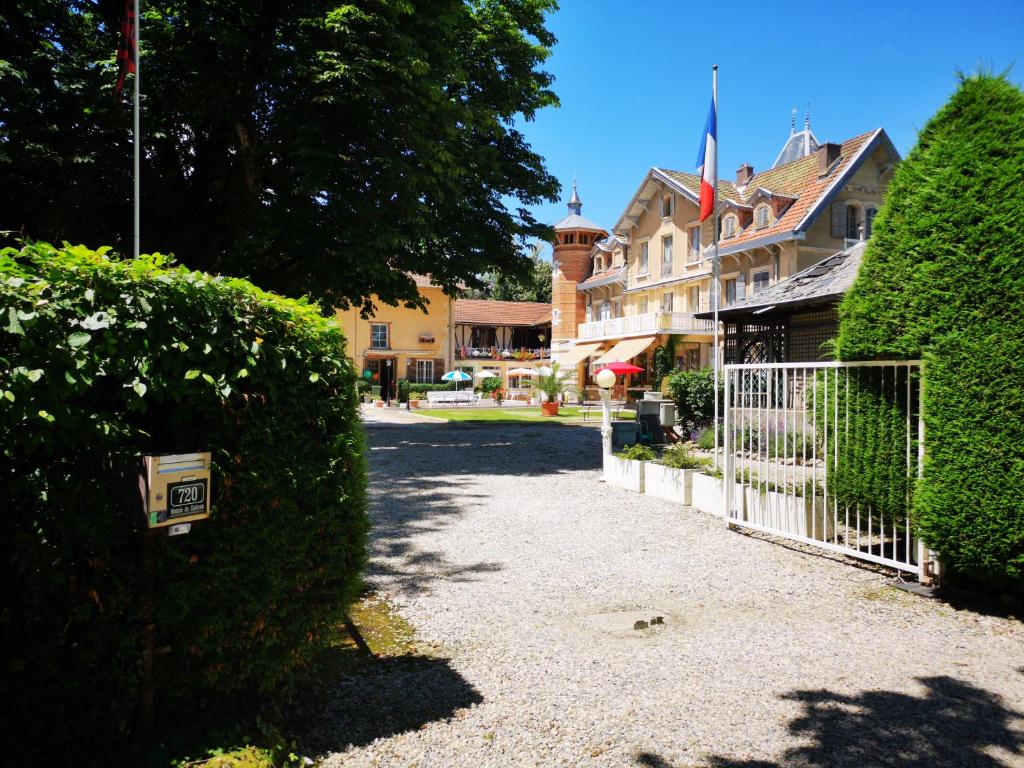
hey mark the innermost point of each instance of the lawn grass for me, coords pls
(518, 414)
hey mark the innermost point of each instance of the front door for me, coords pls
(388, 376)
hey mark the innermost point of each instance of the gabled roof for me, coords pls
(799, 180)
(487, 312)
(822, 283)
(606, 277)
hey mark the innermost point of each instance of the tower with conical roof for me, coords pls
(575, 236)
(799, 144)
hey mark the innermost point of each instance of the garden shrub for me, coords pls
(694, 395)
(941, 280)
(637, 453)
(102, 360)
(406, 387)
(680, 456)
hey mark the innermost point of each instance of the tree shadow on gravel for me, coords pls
(388, 696)
(419, 481)
(954, 724)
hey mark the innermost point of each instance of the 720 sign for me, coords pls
(186, 498)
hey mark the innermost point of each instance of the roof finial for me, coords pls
(792, 123)
(807, 131)
(575, 204)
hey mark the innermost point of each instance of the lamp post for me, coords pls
(606, 380)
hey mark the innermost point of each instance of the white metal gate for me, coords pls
(827, 454)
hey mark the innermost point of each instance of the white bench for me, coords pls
(462, 396)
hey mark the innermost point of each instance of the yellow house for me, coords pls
(402, 343)
(647, 283)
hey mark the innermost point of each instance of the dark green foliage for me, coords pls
(694, 393)
(102, 360)
(663, 365)
(872, 459)
(488, 385)
(536, 286)
(706, 440)
(942, 280)
(321, 147)
(405, 387)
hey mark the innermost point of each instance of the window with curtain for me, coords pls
(730, 292)
(642, 306)
(644, 258)
(852, 222)
(694, 251)
(666, 255)
(667, 301)
(695, 298)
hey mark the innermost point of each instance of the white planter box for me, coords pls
(668, 483)
(624, 473)
(707, 494)
(794, 515)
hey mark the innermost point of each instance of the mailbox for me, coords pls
(174, 489)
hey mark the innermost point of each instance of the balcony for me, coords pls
(494, 353)
(652, 322)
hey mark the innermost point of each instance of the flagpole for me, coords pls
(715, 267)
(136, 135)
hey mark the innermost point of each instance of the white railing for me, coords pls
(651, 322)
(828, 454)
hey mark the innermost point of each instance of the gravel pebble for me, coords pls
(503, 549)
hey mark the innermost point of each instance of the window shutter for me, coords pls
(410, 370)
(741, 285)
(838, 219)
(438, 369)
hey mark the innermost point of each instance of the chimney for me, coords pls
(743, 174)
(827, 155)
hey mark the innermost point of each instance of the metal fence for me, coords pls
(827, 454)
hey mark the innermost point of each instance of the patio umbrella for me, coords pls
(456, 376)
(522, 372)
(619, 368)
(486, 375)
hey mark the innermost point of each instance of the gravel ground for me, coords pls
(522, 573)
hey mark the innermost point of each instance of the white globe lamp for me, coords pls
(605, 379)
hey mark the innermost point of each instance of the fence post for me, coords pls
(726, 465)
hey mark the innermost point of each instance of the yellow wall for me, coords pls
(405, 328)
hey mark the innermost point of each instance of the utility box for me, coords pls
(174, 489)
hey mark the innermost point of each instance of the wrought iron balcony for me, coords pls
(652, 322)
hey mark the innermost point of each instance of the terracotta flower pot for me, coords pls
(549, 409)
(414, 403)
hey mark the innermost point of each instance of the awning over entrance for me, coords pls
(625, 350)
(578, 353)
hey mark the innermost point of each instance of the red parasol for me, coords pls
(619, 368)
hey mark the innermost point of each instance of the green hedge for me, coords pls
(941, 280)
(405, 387)
(102, 359)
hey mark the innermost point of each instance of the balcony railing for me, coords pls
(497, 353)
(652, 322)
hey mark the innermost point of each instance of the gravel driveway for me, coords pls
(522, 575)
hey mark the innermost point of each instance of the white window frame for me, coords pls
(763, 210)
(730, 223)
(668, 205)
(692, 254)
(421, 368)
(854, 222)
(373, 336)
(693, 298)
(754, 274)
(643, 263)
(671, 252)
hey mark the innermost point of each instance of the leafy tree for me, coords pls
(941, 280)
(536, 286)
(319, 147)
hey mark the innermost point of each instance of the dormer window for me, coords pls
(667, 207)
(729, 225)
(762, 215)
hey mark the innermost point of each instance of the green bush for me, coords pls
(941, 280)
(680, 456)
(488, 385)
(102, 360)
(406, 387)
(694, 394)
(662, 365)
(637, 453)
(706, 440)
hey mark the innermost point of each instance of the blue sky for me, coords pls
(634, 80)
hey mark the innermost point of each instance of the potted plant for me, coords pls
(671, 476)
(626, 469)
(498, 395)
(551, 382)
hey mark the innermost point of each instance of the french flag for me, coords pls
(707, 157)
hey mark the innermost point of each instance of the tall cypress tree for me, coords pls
(943, 279)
